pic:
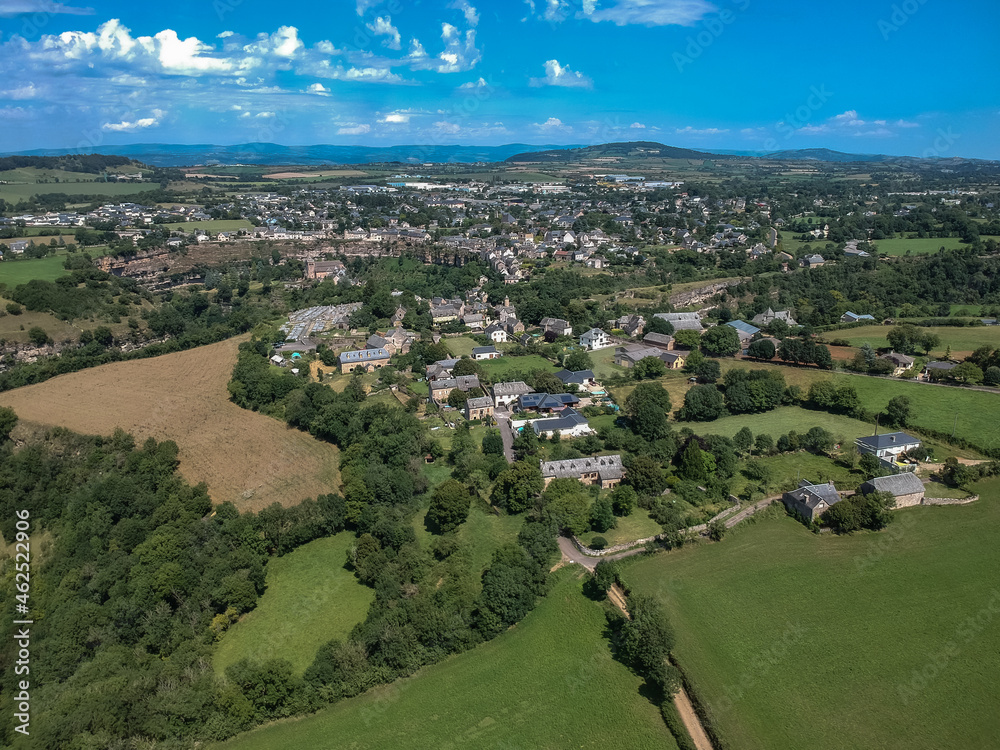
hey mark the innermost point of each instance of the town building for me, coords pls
(605, 471)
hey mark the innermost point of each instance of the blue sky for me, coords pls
(914, 77)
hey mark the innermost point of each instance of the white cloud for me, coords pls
(553, 124)
(448, 128)
(14, 113)
(637, 126)
(396, 118)
(852, 124)
(354, 130)
(559, 75)
(471, 14)
(26, 91)
(11, 8)
(459, 54)
(647, 12)
(383, 27)
(365, 5)
(225, 35)
(555, 10)
(318, 88)
(700, 131)
(130, 127)
(265, 115)
(480, 83)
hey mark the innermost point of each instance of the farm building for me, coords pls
(365, 359)
(659, 340)
(485, 352)
(581, 378)
(888, 445)
(850, 317)
(811, 500)
(770, 315)
(605, 471)
(745, 331)
(906, 488)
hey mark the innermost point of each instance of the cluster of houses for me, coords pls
(811, 500)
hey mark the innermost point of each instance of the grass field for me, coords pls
(498, 368)
(16, 272)
(548, 683)
(481, 533)
(795, 640)
(782, 420)
(971, 414)
(638, 525)
(962, 340)
(243, 456)
(460, 346)
(917, 245)
(310, 599)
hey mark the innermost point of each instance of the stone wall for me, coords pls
(949, 500)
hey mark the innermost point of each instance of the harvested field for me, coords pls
(242, 456)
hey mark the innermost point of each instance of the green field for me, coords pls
(16, 192)
(481, 533)
(782, 420)
(497, 369)
(460, 346)
(960, 339)
(971, 414)
(14, 272)
(310, 599)
(549, 682)
(795, 640)
(638, 525)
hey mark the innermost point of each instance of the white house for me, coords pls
(595, 339)
(505, 394)
(569, 423)
(888, 445)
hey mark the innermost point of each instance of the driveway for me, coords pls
(503, 423)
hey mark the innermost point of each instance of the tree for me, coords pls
(869, 465)
(602, 516)
(707, 371)
(761, 349)
(720, 341)
(717, 530)
(967, 372)
(493, 443)
(818, 440)
(687, 339)
(517, 486)
(703, 403)
(457, 398)
(692, 464)
(623, 500)
(872, 511)
(897, 412)
(659, 325)
(645, 476)
(38, 336)
(578, 360)
(466, 366)
(992, 376)
(647, 406)
(449, 507)
(567, 505)
(606, 572)
(8, 421)
(764, 444)
(648, 368)
(743, 440)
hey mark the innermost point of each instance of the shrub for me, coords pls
(598, 542)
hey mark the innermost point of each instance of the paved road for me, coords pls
(503, 423)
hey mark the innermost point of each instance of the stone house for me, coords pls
(906, 488)
(606, 471)
(811, 500)
(479, 408)
(364, 359)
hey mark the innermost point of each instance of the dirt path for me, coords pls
(681, 699)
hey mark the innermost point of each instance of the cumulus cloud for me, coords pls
(459, 54)
(396, 118)
(552, 125)
(480, 83)
(559, 75)
(637, 126)
(851, 123)
(319, 89)
(383, 27)
(25, 91)
(126, 126)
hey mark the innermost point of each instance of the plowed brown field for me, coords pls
(245, 457)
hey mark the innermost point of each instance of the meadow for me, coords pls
(14, 192)
(243, 457)
(550, 678)
(49, 268)
(962, 340)
(971, 414)
(311, 598)
(498, 369)
(213, 226)
(883, 640)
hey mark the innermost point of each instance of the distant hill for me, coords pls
(87, 163)
(177, 155)
(633, 149)
(825, 154)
